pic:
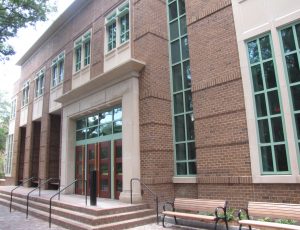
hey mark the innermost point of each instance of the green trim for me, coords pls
(261, 92)
(182, 113)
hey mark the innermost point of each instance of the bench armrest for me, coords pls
(243, 210)
(169, 204)
(217, 212)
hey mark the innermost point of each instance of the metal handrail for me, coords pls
(39, 188)
(50, 207)
(11, 192)
(156, 197)
(48, 181)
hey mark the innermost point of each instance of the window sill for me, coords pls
(24, 106)
(279, 179)
(38, 97)
(185, 180)
(59, 85)
(83, 70)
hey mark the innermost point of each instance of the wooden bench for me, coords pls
(272, 210)
(197, 209)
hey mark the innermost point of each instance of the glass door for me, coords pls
(104, 166)
(80, 169)
(92, 150)
(118, 168)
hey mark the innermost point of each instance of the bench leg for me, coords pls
(216, 224)
(163, 221)
(175, 220)
(226, 223)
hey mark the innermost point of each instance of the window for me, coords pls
(290, 38)
(268, 109)
(99, 125)
(183, 118)
(25, 93)
(58, 69)
(117, 27)
(82, 50)
(8, 156)
(39, 83)
(13, 109)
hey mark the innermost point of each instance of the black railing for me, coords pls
(11, 192)
(39, 188)
(156, 197)
(51, 179)
(61, 190)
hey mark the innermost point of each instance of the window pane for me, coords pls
(191, 151)
(295, 90)
(179, 128)
(185, 48)
(293, 68)
(273, 102)
(80, 135)
(298, 33)
(92, 132)
(192, 168)
(81, 123)
(288, 40)
(117, 113)
(180, 152)
(280, 157)
(91, 154)
(187, 74)
(93, 120)
(177, 78)
(277, 129)
(297, 120)
(174, 33)
(266, 158)
(253, 52)
(173, 11)
(257, 78)
(190, 126)
(183, 27)
(118, 127)
(175, 51)
(105, 117)
(264, 134)
(270, 75)
(105, 129)
(260, 105)
(265, 47)
(181, 169)
(188, 101)
(178, 103)
(181, 4)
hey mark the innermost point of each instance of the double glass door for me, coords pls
(106, 159)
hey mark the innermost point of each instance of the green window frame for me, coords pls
(57, 70)
(82, 49)
(8, 155)
(112, 34)
(87, 48)
(78, 57)
(39, 83)
(290, 45)
(273, 147)
(183, 118)
(13, 109)
(101, 125)
(25, 93)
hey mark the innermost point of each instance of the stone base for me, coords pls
(125, 197)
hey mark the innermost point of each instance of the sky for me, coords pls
(26, 37)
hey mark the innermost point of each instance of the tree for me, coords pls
(16, 14)
(4, 120)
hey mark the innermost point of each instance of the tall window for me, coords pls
(13, 109)
(269, 114)
(25, 93)
(183, 119)
(82, 51)
(39, 83)
(290, 38)
(117, 27)
(8, 156)
(58, 69)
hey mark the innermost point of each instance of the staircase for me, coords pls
(72, 216)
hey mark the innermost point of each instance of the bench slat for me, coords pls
(269, 224)
(198, 204)
(189, 216)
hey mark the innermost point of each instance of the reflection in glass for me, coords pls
(277, 129)
(180, 152)
(260, 105)
(178, 103)
(105, 129)
(80, 135)
(187, 74)
(270, 74)
(174, 33)
(192, 168)
(265, 47)
(181, 4)
(105, 117)
(179, 128)
(293, 68)
(295, 90)
(280, 158)
(181, 168)
(117, 126)
(185, 48)
(175, 51)
(172, 11)
(188, 101)
(264, 134)
(257, 78)
(266, 158)
(117, 113)
(191, 151)
(183, 27)
(253, 52)
(81, 123)
(274, 102)
(177, 78)
(288, 40)
(93, 120)
(92, 132)
(190, 126)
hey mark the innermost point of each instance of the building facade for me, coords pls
(196, 98)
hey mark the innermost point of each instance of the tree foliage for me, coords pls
(16, 14)
(4, 120)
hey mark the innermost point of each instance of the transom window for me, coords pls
(290, 38)
(8, 156)
(183, 118)
(39, 83)
(268, 108)
(58, 69)
(25, 93)
(101, 124)
(117, 27)
(82, 50)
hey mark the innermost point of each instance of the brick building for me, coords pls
(197, 98)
